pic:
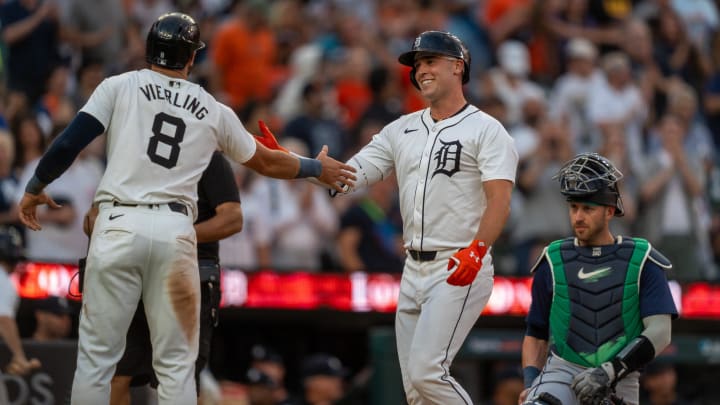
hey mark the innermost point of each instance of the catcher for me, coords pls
(601, 306)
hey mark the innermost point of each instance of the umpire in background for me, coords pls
(601, 306)
(219, 216)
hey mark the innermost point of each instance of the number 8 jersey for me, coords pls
(161, 134)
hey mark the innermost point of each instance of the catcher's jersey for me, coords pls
(161, 134)
(440, 169)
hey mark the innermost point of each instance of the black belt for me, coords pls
(422, 256)
(174, 206)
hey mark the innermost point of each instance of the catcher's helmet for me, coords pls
(171, 41)
(438, 42)
(589, 177)
(11, 247)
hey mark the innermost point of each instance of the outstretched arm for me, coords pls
(282, 165)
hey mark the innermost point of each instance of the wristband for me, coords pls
(34, 186)
(530, 373)
(309, 168)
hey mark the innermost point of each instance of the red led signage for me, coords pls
(358, 292)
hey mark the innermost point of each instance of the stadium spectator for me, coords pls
(671, 182)
(243, 52)
(658, 385)
(31, 31)
(52, 319)
(509, 81)
(370, 237)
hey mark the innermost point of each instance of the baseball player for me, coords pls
(219, 216)
(601, 306)
(455, 167)
(161, 133)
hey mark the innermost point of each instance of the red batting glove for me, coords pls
(467, 262)
(267, 138)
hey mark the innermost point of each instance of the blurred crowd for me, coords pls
(636, 80)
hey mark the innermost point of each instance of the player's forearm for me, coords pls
(534, 352)
(496, 212)
(658, 330)
(228, 220)
(11, 336)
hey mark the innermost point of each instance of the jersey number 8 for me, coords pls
(170, 148)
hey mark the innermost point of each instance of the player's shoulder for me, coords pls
(410, 122)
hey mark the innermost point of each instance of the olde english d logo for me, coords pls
(447, 158)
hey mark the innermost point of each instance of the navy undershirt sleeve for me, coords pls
(66, 147)
(539, 313)
(655, 296)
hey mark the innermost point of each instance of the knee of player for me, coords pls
(423, 375)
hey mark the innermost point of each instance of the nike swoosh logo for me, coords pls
(582, 275)
(115, 216)
(407, 131)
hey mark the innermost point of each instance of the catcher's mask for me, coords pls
(441, 43)
(591, 178)
(171, 41)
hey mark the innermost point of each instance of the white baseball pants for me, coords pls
(146, 252)
(432, 321)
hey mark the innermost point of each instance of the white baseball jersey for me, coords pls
(440, 168)
(153, 122)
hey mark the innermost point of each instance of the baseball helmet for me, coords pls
(11, 245)
(589, 177)
(437, 42)
(171, 41)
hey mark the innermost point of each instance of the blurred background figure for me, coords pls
(370, 237)
(322, 380)
(52, 319)
(267, 372)
(10, 255)
(508, 384)
(658, 385)
(260, 388)
(672, 180)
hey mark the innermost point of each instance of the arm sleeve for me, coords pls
(538, 325)
(374, 161)
(237, 143)
(62, 153)
(655, 295)
(497, 156)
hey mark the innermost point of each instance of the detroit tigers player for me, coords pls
(161, 133)
(455, 167)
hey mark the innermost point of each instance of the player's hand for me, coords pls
(28, 209)
(336, 175)
(19, 365)
(268, 138)
(592, 385)
(466, 262)
(89, 220)
(523, 396)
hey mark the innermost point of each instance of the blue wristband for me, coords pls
(530, 373)
(309, 168)
(34, 186)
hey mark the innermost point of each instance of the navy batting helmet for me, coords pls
(437, 42)
(171, 41)
(589, 177)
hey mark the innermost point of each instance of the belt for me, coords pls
(422, 256)
(174, 206)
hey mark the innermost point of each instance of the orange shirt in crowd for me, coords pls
(245, 61)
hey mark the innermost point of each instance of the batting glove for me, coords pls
(592, 386)
(466, 262)
(268, 138)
